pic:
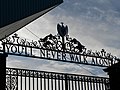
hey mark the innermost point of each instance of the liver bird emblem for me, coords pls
(62, 30)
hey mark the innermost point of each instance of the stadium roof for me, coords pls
(15, 14)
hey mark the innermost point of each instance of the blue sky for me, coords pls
(95, 23)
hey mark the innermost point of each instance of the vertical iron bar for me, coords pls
(78, 83)
(4, 48)
(29, 81)
(88, 84)
(33, 81)
(82, 83)
(10, 80)
(48, 82)
(31, 51)
(75, 84)
(93, 83)
(55, 83)
(63, 44)
(17, 79)
(107, 84)
(21, 79)
(37, 81)
(62, 82)
(41, 81)
(66, 82)
(69, 83)
(72, 84)
(99, 85)
(58, 82)
(51, 81)
(102, 84)
(96, 85)
(25, 79)
(44, 81)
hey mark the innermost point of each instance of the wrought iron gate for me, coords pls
(22, 79)
(55, 48)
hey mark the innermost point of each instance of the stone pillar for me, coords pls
(114, 75)
(2, 71)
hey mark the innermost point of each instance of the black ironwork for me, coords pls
(59, 48)
(2, 71)
(62, 31)
(114, 76)
(51, 48)
(23, 79)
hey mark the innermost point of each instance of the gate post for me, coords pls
(114, 76)
(2, 71)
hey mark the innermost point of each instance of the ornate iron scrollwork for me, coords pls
(48, 42)
(57, 47)
(55, 43)
(13, 81)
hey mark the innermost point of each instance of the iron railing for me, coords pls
(23, 79)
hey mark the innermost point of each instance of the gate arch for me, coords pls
(49, 49)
